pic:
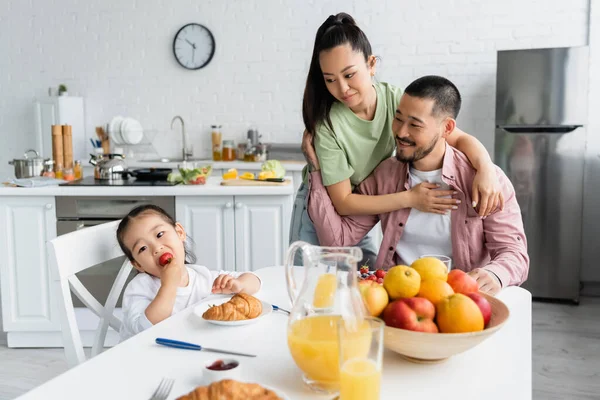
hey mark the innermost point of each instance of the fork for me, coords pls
(163, 389)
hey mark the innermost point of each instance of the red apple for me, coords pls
(484, 306)
(460, 282)
(415, 314)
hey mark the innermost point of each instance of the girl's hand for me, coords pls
(425, 198)
(308, 149)
(227, 284)
(486, 192)
(170, 275)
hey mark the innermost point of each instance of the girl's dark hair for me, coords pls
(337, 30)
(190, 258)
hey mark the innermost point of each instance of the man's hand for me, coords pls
(487, 281)
(308, 149)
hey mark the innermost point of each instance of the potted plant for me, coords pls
(62, 90)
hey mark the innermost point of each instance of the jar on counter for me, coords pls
(49, 169)
(78, 170)
(216, 142)
(58, 171)
(68, 174)
(250, 154)
(241, 151)
(228, 151)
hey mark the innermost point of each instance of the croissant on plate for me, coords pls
(239, 307)
(229, 389)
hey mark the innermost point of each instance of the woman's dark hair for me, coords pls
(190, 258)
(337, 30)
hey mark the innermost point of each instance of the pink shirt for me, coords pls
(496, 243)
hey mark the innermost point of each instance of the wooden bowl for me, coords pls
(422, 347)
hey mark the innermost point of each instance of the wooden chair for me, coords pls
(72, 253)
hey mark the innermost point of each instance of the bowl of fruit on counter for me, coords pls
(430, 314)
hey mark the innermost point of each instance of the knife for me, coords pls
(191, 346)
(280, 180)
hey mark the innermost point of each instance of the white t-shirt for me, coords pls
(142, 289)
(425, 233)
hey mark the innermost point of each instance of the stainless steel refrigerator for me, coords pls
(540, 139)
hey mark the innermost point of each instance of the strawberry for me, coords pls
(380, 273)
(364, 269)
(165, 258)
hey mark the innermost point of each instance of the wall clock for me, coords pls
(194, 46)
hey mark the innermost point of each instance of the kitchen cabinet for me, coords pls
(234, 228)
(237, 233)
(28, 303)
(262, 228)
(210, 223)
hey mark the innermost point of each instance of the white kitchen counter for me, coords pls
(292, 166)
(211, 188)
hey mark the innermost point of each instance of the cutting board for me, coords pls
(247, 182)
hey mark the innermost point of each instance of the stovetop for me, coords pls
(90, 181)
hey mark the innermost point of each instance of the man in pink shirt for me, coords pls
(493, 250)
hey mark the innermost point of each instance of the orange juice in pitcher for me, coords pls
(328, 294)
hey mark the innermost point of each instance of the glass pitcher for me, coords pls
(329, 292)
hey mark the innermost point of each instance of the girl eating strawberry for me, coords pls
(168, 281)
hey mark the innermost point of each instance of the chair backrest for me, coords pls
(72, 253)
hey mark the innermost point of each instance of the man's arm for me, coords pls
(333, 229)
(505, 239)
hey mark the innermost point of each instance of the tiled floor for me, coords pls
(566, 356)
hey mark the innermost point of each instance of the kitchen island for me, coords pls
(237, 228)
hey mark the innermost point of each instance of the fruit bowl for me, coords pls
(429, 348)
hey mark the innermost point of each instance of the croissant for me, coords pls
(239, 307)
(228, 389)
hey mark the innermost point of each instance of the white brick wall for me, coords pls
(117, 54)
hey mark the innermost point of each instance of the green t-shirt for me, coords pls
(356, 146)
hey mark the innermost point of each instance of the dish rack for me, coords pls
(145, 146)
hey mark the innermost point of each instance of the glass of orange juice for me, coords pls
(360, 374)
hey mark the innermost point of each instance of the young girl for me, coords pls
(168, 281)
(350, 118)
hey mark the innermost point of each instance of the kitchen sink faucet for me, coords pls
(184, 150)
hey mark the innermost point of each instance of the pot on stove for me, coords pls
(28, 167)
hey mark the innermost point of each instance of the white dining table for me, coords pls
(499, 368)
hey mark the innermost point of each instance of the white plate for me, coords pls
(132, 131)
(115, 129)
(216, 300)
(278, 392)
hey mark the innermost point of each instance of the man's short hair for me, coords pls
(444, 93)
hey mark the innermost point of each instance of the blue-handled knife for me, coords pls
(191, 346)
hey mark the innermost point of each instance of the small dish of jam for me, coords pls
(223, 368)
(221, 365)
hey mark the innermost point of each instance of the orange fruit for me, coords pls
(457, 313)
(435, 290)
(230, 174)
(402, 281)
(430, 268)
